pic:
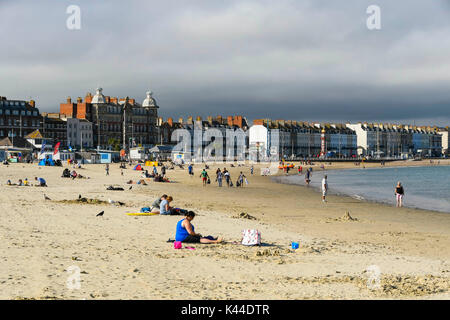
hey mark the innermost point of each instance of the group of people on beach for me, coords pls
(24, 183)
(220, 176)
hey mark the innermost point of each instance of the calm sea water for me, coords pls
(425, 187)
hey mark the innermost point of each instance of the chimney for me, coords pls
(199, 118)
(170, 121)
(114, 100)
(79, 100)
(88, 98)
(107, 99)
(237, 120)
(32, 103)
(189, 120)
(69, 100)
(180, 120)
(230, 121)
(131, 101)
(160, 121)
(219, 119)
(210, 120)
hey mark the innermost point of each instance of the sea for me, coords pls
(425, 187)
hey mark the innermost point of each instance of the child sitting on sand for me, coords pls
(186, 232)
(41, 181)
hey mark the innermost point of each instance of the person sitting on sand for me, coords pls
(26, 182)
(156, 204)
(20, 183)
(165, 208)
(74, 174)
(186, 232)
(42, 182)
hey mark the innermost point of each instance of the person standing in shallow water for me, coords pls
(399, 193)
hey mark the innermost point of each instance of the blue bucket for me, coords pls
(295, 245)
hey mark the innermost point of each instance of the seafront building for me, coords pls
(18, 118)
(396, 141)
(120, 122)
(296, 139)
(444, 132)
(201, 135)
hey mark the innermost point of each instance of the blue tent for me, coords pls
(48, 162)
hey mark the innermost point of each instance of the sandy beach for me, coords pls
(126, 257)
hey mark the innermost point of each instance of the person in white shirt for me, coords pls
(324, 188)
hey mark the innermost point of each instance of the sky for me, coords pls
(305, 60)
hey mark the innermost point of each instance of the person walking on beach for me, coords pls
(251, 170)
(308, 176)
(155, 171)
(190, 170)
(227, 176)
(219, 177)
(163, 171)
(241, 179)
(324, 188)
(204, 176)
(107, 169)
(399, 193)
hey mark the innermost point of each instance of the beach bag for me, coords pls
(251, 237)
(145, 209)
(177, 245)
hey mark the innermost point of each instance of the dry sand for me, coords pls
(125, 257)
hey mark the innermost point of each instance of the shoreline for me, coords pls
(344, 194)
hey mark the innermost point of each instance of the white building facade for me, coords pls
(79, 133)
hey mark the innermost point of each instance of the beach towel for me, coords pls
(251, 237)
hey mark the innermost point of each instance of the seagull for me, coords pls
(79, 196)
(100, 214)
(130, 187)
(120, 203)
(46, 198)
(111, 201)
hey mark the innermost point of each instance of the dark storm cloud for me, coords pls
(304, 60)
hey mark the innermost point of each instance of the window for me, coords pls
(7, 112)
(23, 112)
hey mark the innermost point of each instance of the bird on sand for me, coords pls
(46, 198)
(100, 214)
(130, 188)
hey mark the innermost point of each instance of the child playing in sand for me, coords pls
(41, 181)
(186, 232)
